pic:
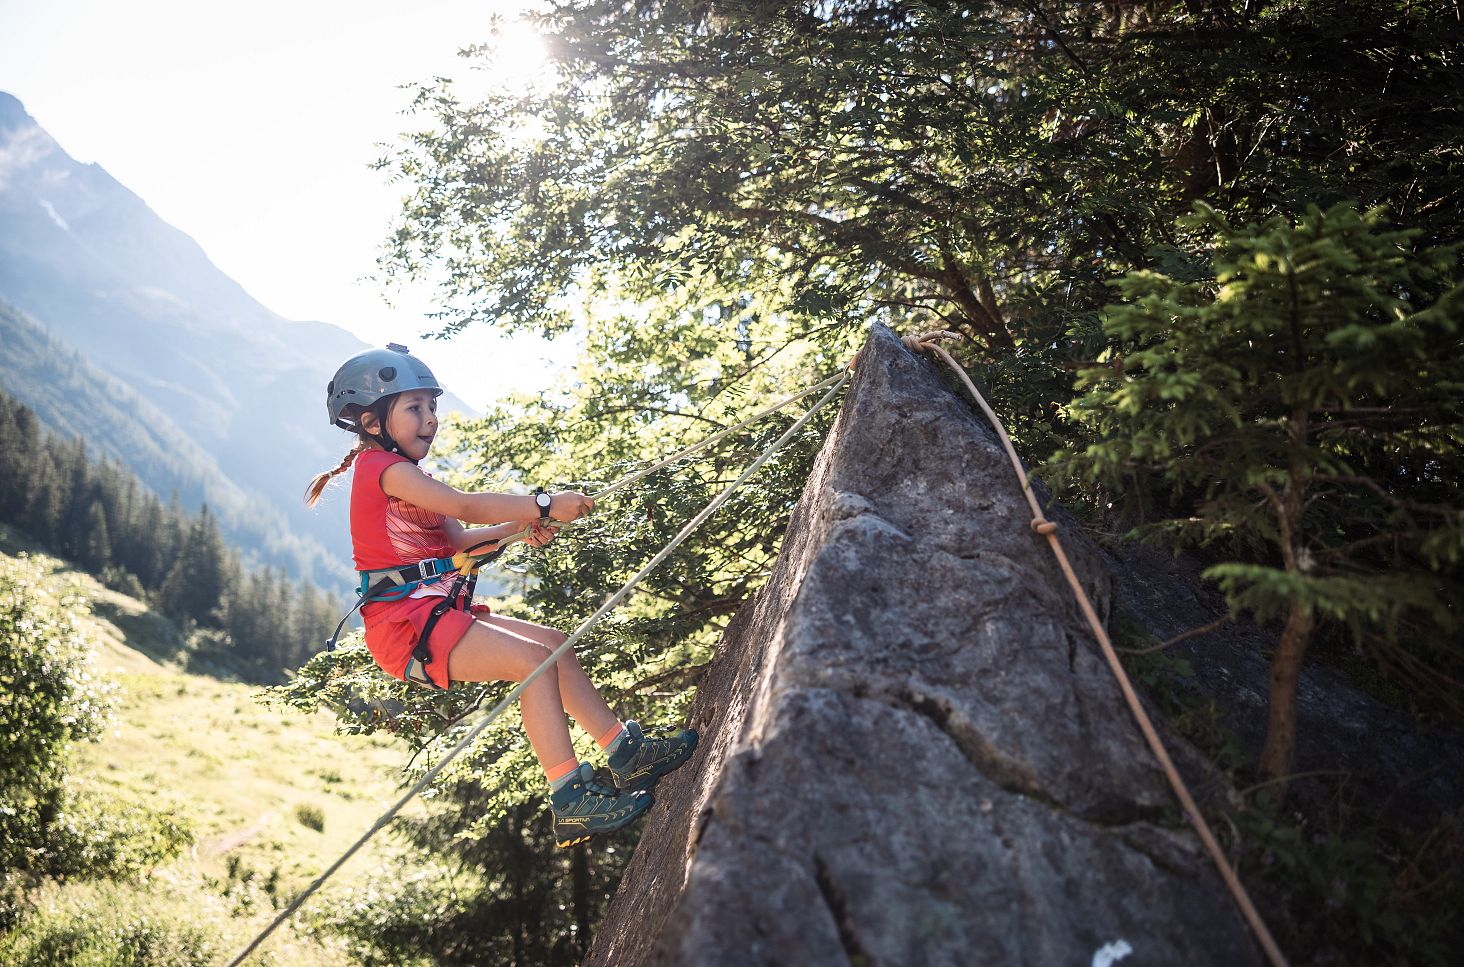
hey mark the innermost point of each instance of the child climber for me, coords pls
(405, 529)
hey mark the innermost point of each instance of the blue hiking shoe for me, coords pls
(643, 759)
(589, 805)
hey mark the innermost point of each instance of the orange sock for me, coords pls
(611, 734)
(557, 774)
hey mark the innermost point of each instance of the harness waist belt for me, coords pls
(394, 583)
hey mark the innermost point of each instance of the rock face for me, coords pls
(912, 750)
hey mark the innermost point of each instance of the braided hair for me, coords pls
(364, 441)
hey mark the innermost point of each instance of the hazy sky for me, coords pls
(251, 128)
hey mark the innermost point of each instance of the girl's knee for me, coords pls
(539, 655)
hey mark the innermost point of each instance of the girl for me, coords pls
(405, 530)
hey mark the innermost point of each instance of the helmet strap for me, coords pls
(381, 436)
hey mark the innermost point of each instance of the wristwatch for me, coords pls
(543, 500)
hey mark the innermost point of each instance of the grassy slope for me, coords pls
(236, 771)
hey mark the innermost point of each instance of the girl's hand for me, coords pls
(568, 505)
(539, 536)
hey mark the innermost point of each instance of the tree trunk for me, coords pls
(580, 872)
(1281, 725)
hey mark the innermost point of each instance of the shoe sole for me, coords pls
(576, 840)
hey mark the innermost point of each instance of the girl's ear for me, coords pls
(369, 423)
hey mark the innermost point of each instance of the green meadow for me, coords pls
(265, 798)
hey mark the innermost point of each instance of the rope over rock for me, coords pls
(987, 800)
(1049, 530)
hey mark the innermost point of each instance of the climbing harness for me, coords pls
(834, 384)
(1046, 528)
(396, 583)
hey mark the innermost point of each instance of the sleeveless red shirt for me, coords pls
(385, 531)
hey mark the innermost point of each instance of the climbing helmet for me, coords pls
(368, 376)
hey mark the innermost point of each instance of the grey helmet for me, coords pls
(368, 376)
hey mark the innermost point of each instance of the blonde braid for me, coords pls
(318, 483)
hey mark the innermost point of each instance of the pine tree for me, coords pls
(1301, 402)
(98, 553)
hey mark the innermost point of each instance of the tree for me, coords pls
(714, 197)
(1300, 398)
(51, 701)
(983, 167)
(194, 586)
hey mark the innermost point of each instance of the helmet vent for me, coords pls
(388, 373)
(330, 388)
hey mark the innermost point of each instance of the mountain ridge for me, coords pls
(88, 260)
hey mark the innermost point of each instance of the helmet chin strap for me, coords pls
(388, 444)
(383, 437)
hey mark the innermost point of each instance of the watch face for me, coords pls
(543, 500)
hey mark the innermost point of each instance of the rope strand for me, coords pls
(634, 476)
(1046, 528)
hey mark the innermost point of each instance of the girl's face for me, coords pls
(412, 422)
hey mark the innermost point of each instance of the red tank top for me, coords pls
(387, 532)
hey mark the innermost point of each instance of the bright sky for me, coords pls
(251, 128)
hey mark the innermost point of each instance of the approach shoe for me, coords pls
(642, 759)
(589, 805)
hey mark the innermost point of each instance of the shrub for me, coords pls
(389, 920)
(97, 836)
(123, 581)
(49, 699)
(108, 928)
(311, 817)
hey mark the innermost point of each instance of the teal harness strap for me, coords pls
(393, 584)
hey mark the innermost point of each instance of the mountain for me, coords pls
(89, 261)
(72, 397)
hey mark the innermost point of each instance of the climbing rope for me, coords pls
(604, 609)
(1046, 528)
(497, 544)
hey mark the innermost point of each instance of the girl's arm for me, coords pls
(405, 481)
(461, 538)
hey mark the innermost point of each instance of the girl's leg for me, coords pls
(581, 699)
(486, 654)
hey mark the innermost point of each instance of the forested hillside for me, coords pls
(253, 622)
(75, 399)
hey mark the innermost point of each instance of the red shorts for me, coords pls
(393, 628)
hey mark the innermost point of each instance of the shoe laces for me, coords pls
(656, 746)
(602, 784)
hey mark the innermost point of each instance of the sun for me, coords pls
(513, 58)
(519, 53)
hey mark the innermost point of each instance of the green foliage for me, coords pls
(389, 920)
(49, 700)
(97, 836)
(1352, 891)
(112, 930)
(310, 816)
(712, 198)
(1297, 411)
